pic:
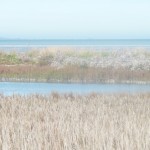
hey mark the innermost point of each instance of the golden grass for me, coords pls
(74, 122)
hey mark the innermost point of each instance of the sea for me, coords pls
(20, 44)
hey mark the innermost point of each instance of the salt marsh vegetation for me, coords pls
(73, 65)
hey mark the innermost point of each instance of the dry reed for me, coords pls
(75, 122)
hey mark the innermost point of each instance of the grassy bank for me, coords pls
(75, 122)
(51, 65)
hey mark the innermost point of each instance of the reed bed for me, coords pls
(72, 74)
(75, 122)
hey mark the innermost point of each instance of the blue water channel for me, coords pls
(9, 88)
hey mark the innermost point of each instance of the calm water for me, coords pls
(9, 88)
(141, 42)
(23, 45)
(43, 43)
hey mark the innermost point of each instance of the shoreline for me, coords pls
(73, 81)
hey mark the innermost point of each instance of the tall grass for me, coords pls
(74, 122)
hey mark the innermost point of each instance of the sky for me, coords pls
(75, 19)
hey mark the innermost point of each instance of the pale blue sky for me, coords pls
(59, 19)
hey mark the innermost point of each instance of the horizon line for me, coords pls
(74, 39)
